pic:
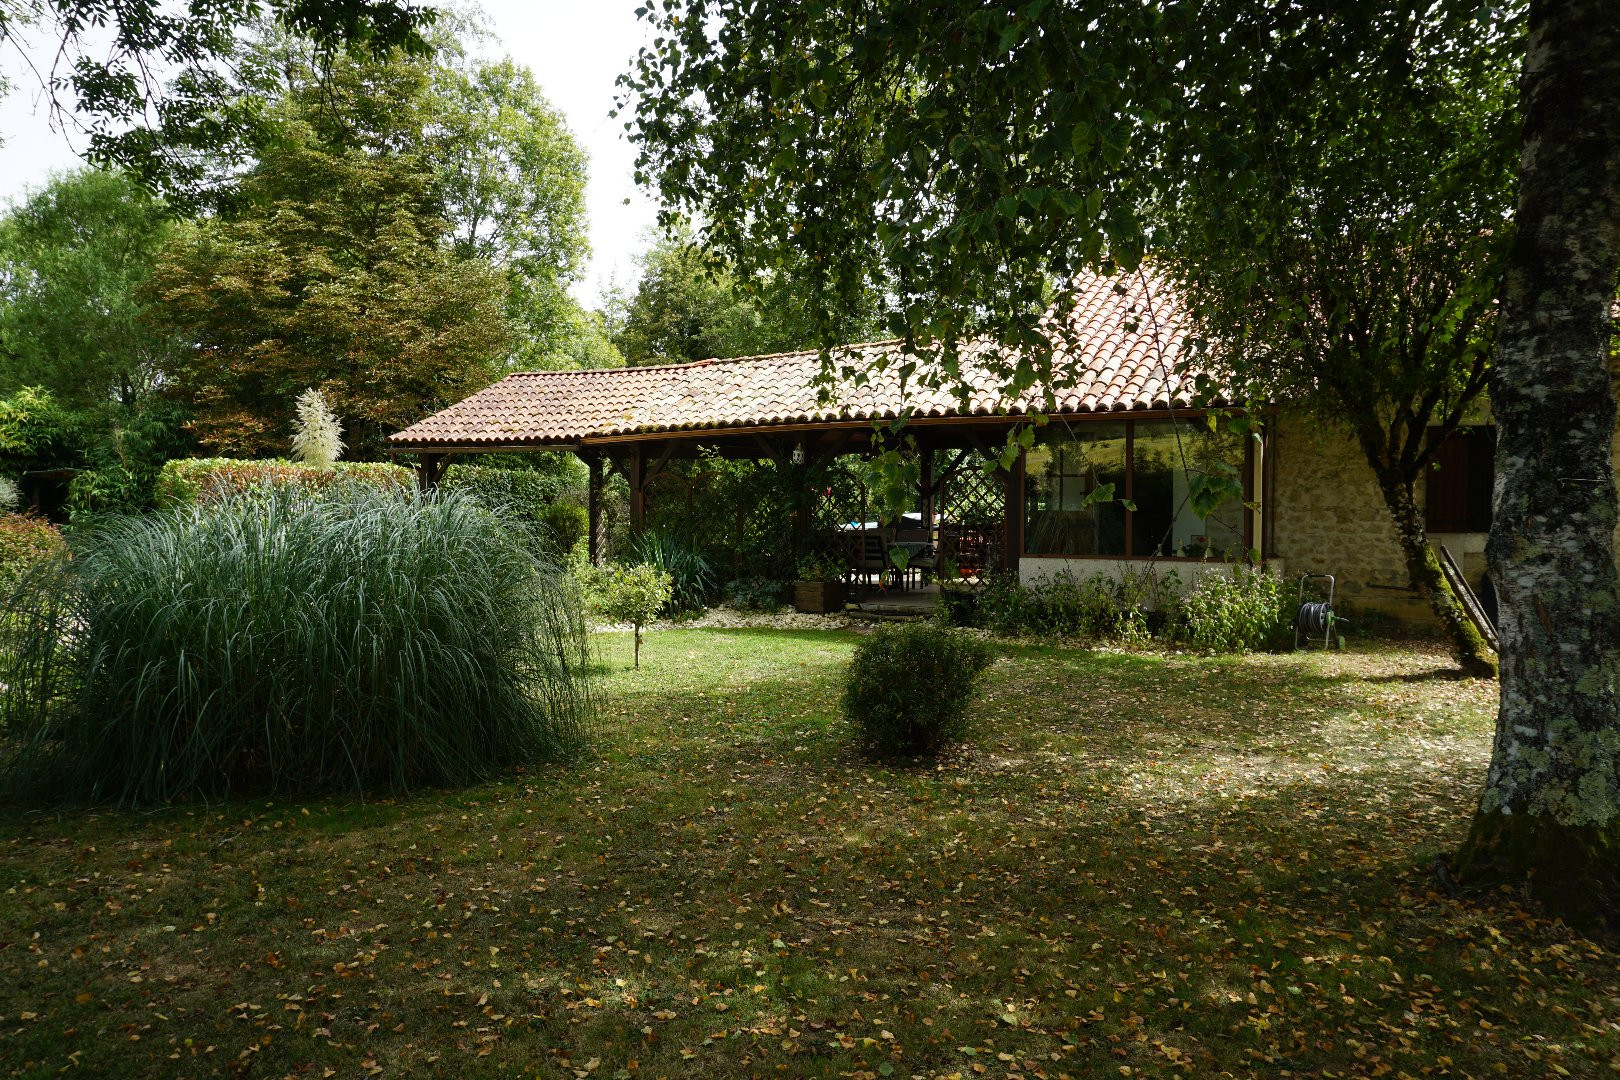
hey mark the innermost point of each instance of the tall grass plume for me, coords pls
(317, 434)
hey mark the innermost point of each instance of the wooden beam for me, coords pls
(658, 463)
(1012, 540)
(824, 455)
(596, 541)
(925, 493)
(429, 471)
(772, 451)
(979, 444)
(638, 497)
(950, 470)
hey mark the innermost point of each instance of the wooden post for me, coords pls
(429, 471)
(1012, 540)
(925, 485)
(596, 541)
(638, 498)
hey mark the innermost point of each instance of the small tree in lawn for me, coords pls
(635, 595)
(317, 434)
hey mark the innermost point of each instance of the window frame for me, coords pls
(1472, 484)
(1129, 495)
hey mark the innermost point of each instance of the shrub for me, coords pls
(565, 525)
(634, 595)
(10, 495)
(37, 432)
(25, 540)
(201, 480)
(285, 643)
(957, 606)
(759, 594)
(530, 501)
(691, 579)
(1128, 607)
(122, 463)
(908, 688)
(1250, 610)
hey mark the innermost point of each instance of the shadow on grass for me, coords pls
(1438, 674)
(724, 892)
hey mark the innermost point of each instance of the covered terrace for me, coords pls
(1115, 425)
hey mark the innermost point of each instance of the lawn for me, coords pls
(1143, 866)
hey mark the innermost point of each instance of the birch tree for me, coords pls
(1551, 808)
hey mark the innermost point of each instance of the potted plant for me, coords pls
(819, 587)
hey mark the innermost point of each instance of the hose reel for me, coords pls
(1315, 622)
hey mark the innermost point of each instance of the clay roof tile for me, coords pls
(1118, 350)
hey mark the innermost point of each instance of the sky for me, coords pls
(576, 50)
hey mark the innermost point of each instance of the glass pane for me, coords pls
(1179, 468)
(1065, 513)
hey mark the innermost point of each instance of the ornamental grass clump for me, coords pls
(692, 583)
(283, 642)
(908, 688)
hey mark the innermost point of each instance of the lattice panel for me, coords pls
(972, 515)
(739, 514)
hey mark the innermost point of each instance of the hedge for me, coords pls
(526, 499)
(186, 481)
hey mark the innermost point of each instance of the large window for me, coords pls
(1146, 488)
(1074, 489)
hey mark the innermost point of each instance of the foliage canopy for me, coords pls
(73, 258)
(152, 89)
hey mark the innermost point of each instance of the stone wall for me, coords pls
(1330, 518)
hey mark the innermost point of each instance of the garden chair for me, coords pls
(923, 560)
(869, 556)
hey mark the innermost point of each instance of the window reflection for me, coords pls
(1069, 507)
(1184, 481)
(1175, 468)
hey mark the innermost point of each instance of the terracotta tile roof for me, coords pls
(1108, 348)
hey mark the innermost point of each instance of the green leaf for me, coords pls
(1102, 493)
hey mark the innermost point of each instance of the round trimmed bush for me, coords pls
(284, 642)
(908, 688)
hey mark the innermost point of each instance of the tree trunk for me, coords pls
(1423, 569)
(1551, 807)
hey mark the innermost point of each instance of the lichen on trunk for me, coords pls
(1551, 805)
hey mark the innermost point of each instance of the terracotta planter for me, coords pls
(818, 597)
